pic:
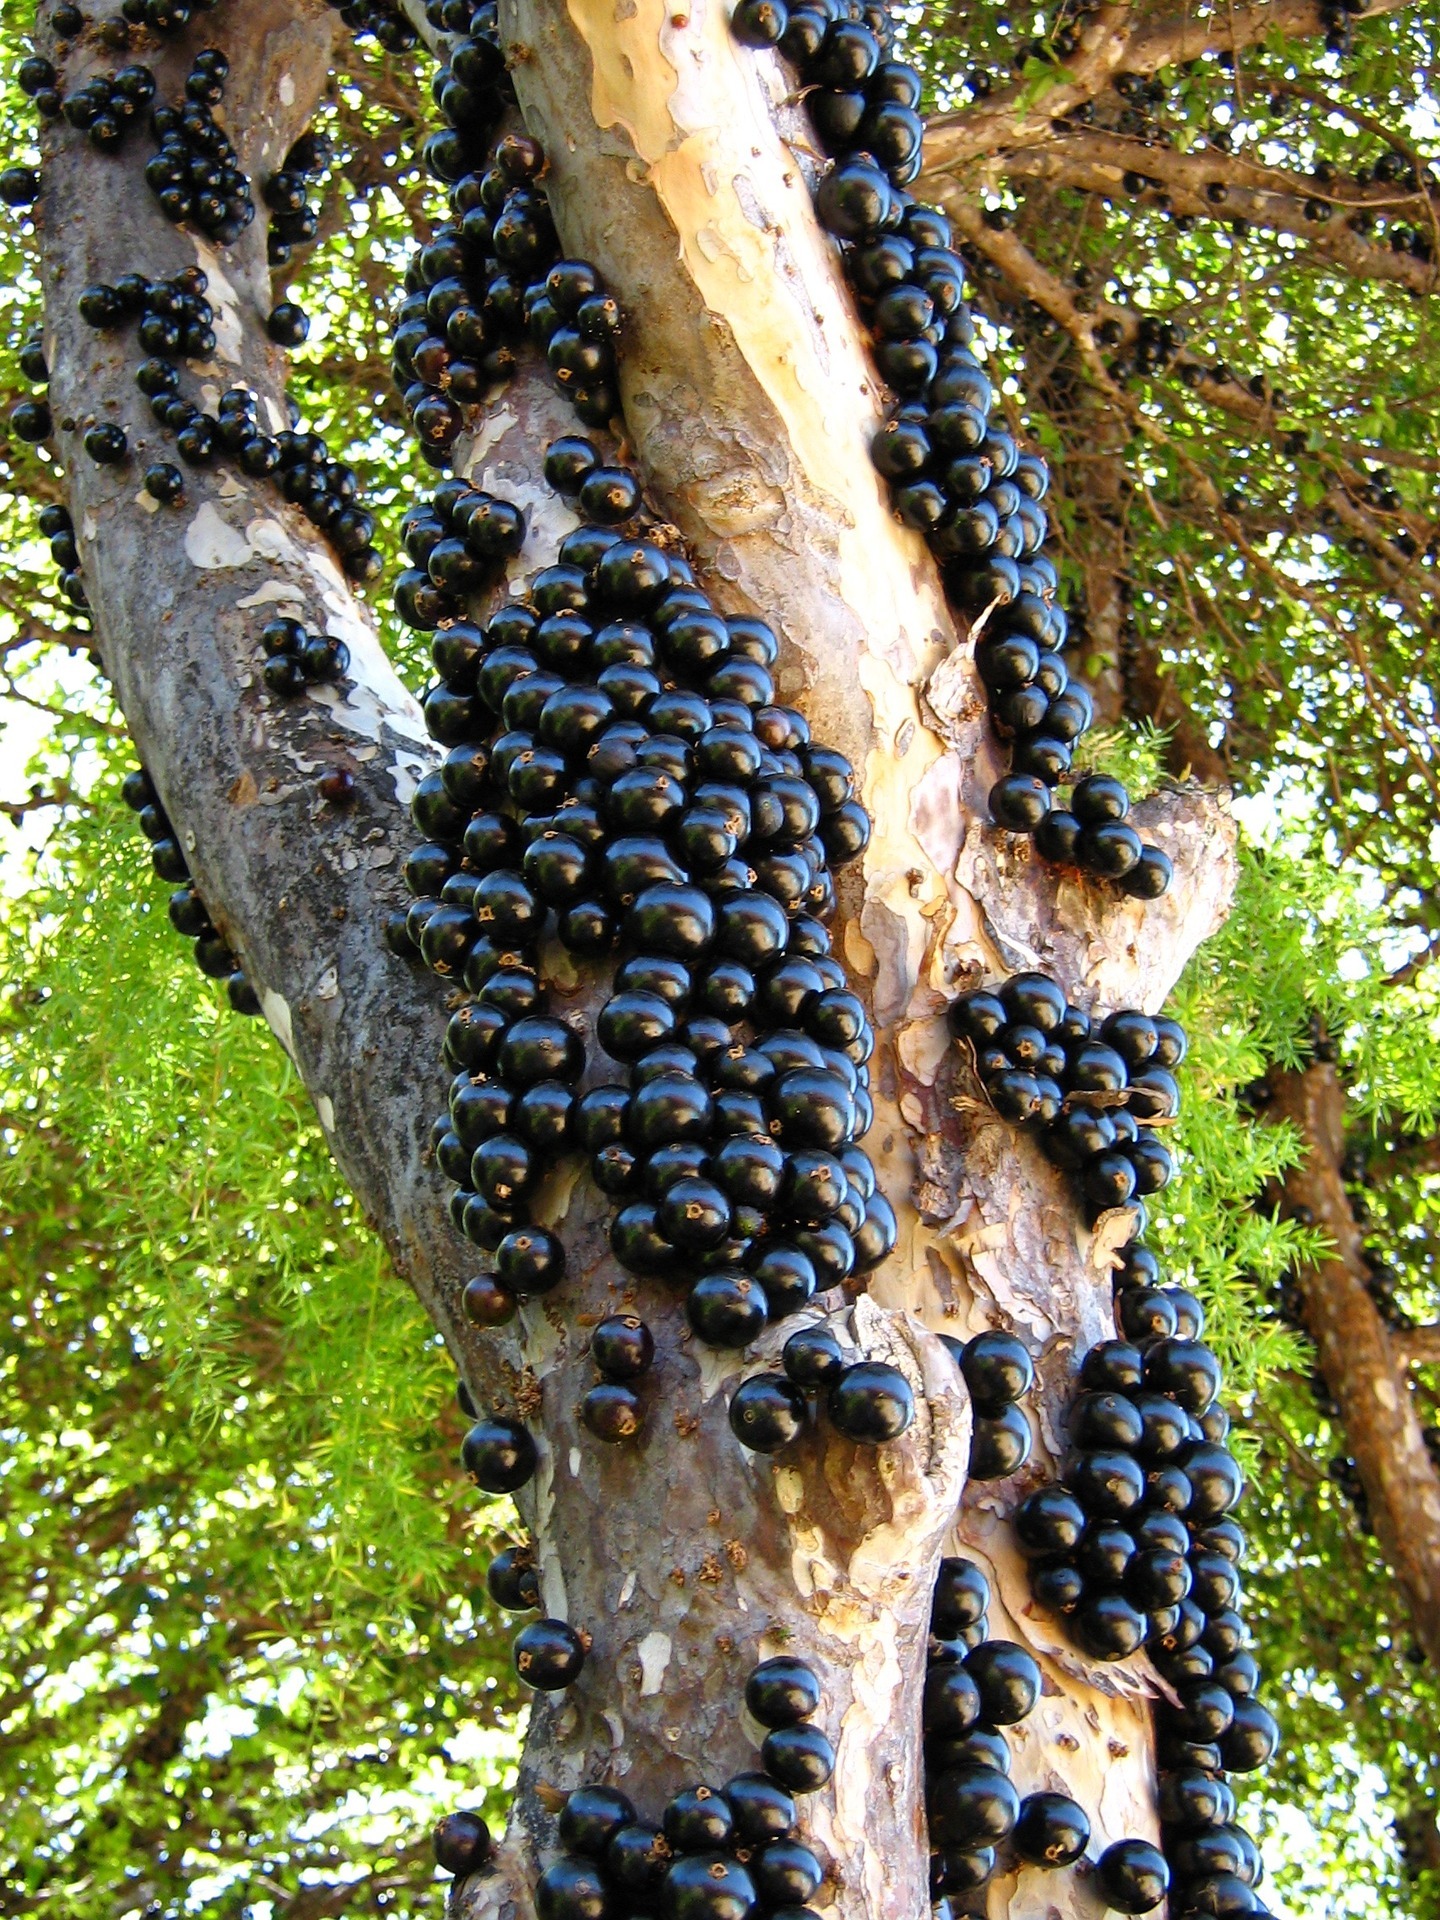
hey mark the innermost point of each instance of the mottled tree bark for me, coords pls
(1363, 1363)
(748, 403)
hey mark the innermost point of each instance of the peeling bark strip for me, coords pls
(1363, 1364)
(749, 399)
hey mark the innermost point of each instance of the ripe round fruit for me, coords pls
(499, 1455)
(548, 1654)
(512, 1580)
(1132, 1876)
(1000, 1446)
(767, 1412)
(998, 1370)
(871, 1403)
(612, 1411)
(462, 1842)
(708, 1886)
(1052, 1831)
(799, 1757)
(590, 1819)
(288, 324)
(962, 1594)
(530, 1260)
(971, 1806)
(1008, 1679)
(622, 1346)
(572, 1888)
(782, 1691)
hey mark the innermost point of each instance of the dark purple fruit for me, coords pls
(1051, 1831)
(962, 1594)
(572, 1888)
(590, 1819)
(1132, 1876)
(499, 1455)
(767, 1412)
(462, 1843)
(548, 1654)
(512, 1580)
(782, 1691)
(762, 1810)
(871, 1403)
(612, 1412)
(971, 1806)
(708, 1886)
(799, 1757)
(622, 1347)
(1049, 1521)
(1000, 1445)
(697, 1820)
(998, 1371)
(1008, 1679)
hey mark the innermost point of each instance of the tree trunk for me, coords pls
(749, 403)
(1363, 1364)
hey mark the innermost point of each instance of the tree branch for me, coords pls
(16, 810)
(1090, 160)
(1004, 121)
(1359, 1359)
(1418, 1346)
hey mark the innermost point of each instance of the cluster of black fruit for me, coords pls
(32, 421)
(38, 79)
(998, 1373)
(501, 1457)
(960, 480)
(617, 760)
(974, 1688)
(173, 321)
(487, 278)
(1096, 1089)
(618, 769)
(294, 218)
(196, 176)
(187, 910)
(296, 658)
(167, 18)
(1135, 1546)
(59, 530)
(716, 1853)
(384, 23)
(105, 108)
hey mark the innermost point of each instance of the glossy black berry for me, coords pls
(591, 1818)
(708, 1886)
(512, 1580)
(1132, 1876)
(800, 1757)
(548, 1654)
(871, 1402)
(499, 1455)
(1051, 1830)
(998, 1370)
(461, 1842)
(107, 444)
(287, 324)
(767, 1412)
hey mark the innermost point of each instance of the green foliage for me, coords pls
(240, 1576)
